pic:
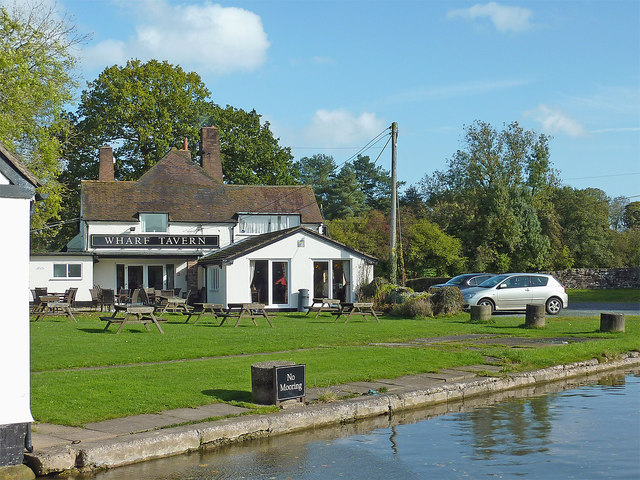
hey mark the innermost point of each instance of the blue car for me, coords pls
(466, 280)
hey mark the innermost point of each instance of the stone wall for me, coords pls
(597, 278)
(593, 278)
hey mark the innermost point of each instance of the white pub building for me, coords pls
(180, 226)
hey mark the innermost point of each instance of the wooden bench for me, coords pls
(245, 310)
(320, 305)
(141, 314)
(214, 309)
(358, 308)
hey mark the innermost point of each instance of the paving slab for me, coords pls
(204, 411)
(480, 368)
(414, 382)
(136, 423)
(47, 435)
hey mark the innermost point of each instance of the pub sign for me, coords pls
(146, 241)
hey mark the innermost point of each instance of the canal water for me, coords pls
(564, 430)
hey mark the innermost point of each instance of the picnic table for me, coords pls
(244, 310)
(173, 303)
(142, 314)
(52, 304)
(323, 305)
(214, 309)
(358, 308)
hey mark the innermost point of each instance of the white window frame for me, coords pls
(66, 275)
(144, 216)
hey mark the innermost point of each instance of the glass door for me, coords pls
(259, 275)
(135, 277)
(341, 280)
(280, 285)
(320, 279)
(155, 277)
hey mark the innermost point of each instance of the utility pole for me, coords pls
(393, 261)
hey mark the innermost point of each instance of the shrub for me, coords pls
(414, 307)
(447, 300)
(384, 294)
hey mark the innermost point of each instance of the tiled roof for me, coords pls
(244, 247)
(12, 160)
(176, 185)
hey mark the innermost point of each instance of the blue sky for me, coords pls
(331, 75)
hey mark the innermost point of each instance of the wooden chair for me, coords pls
(123, 295)
(108, 299)
(37, 304)
(95, 298)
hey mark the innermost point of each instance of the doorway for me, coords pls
(135, 277)
(259, 274)
(320, 279)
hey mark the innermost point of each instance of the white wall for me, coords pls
(41, 274)
(14, 312)
(300, 260)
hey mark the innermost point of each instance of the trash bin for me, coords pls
(303, 299)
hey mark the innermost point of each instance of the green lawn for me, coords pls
(604, 296)
(83, 374)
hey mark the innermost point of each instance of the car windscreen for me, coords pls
(457, 280)
(493, 281)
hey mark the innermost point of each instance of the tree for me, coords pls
(617, 208)
(345, 198)
(36, 81)
(143, 109)
(317, 171)
(584, 218)
(429, 249)
(250, 152)
(631, 216)
(491, 197)
(375, 183)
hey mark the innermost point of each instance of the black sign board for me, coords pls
(146, 241)
(290, 382)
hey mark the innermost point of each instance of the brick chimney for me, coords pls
(210, 152)
(105, 173)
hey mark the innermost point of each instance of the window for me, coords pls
(257, 224)
(214, 278)
(154, 222)
(517, 282)
(538, 281)
(67, 270)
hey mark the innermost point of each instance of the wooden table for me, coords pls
(214, 309)
(51, 305)
(174, 304)
(323, 305)
(245, 310)
(363, 309)
(133, 314)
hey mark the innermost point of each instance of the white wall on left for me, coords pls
(14, 312)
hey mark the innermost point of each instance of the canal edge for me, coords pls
(134, 448)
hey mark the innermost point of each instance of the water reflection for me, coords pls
(541, 432)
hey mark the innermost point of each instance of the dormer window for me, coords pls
(154, 222)
(257, 224)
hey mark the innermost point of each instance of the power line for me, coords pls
(602, 176)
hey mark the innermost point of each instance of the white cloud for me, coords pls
(504, 18)
(555, 121)
(203, 37)
(339, 128)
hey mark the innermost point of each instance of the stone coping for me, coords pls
(122, 450)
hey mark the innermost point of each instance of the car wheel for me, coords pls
(553, 306)
(489, 303)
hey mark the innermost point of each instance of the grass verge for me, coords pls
(611, 295)
(82, 374)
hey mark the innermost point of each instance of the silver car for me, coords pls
(513, 291)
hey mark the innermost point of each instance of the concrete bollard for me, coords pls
(612, 322)
(480, 313)
(263, 384)
(534, 317)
